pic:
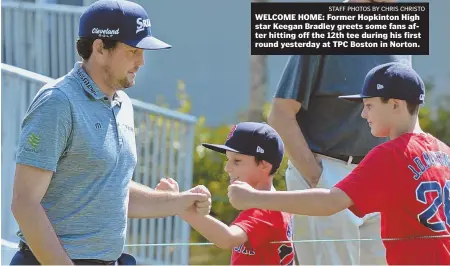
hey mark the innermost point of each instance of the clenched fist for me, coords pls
(241, 195)
(200, 207)
(168, 184)
(195, 200)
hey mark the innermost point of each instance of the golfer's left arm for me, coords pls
(311, 202)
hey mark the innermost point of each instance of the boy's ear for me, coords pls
(397, 104)
(266, 166)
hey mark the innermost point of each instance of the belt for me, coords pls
(345, 158)
(24, 247)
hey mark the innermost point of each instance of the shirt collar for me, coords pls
(117, 98)
(89, 85)
(86, 81)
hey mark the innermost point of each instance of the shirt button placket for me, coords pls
(115, 110)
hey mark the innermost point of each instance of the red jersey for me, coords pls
(263, 227)
(407, 180)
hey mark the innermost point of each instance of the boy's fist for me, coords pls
(168, 184)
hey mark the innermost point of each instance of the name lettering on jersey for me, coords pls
(427, 160)
(242, 249)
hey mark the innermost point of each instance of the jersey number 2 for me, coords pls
(442, 198)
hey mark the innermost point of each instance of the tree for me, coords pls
(258, 83)
(436, 121)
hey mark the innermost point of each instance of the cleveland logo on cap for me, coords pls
(105, 32)
(123, 21)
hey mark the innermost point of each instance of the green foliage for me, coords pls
(436, 121)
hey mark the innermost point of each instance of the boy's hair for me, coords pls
(272, 171)
(413, 108)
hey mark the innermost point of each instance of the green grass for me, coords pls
(209, 255)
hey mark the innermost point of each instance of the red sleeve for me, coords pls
(256, 223)
(369, 184)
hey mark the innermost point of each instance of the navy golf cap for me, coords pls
(254, 139)
(393, 81)
(119, 20)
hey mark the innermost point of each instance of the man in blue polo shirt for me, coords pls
(76, 156)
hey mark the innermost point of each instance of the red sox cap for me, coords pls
(119, 20)
(254, 139)
(392, 80)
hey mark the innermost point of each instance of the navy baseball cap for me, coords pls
(254, 139)
(119, 20)
(392, 81)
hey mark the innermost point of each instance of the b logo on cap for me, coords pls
(142, 24)
(231, 132)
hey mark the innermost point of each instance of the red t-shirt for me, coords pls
(263, 227)
(407, 180)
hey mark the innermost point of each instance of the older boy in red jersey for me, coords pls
(254, 153)
(406, 179)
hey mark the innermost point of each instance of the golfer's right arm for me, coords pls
(30, 185)
(44, 138)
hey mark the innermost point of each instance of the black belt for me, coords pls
(24, 247)
(345, 158)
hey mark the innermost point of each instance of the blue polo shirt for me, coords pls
(89, 144)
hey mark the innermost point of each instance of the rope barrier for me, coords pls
(11, 245)
(295, 241)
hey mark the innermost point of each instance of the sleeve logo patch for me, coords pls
(33, 140)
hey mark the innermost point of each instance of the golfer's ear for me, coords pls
(97, 46)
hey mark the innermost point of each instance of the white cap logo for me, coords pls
(259, 150)
(380, 87)
(105, 32)
(142, 24)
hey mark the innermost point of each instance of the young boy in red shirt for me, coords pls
(254, 153)
(406, 179)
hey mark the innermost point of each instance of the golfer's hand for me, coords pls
(168, 184)
(241, 195)
(197, 200)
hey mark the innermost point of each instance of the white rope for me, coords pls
(9, 244)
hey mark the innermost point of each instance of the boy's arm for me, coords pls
(367, 189)
(311, 202)
(222, 235)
